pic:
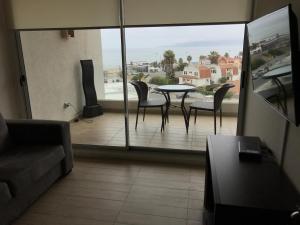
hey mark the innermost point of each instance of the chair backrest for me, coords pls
(4, 135)
(141, 90)
(220, 94)
(88, 82)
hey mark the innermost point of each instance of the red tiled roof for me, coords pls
(204, 72)
(224, 67)
(224, 60)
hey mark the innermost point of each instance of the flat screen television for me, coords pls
(274, 59)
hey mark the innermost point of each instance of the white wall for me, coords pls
(263, 121)
(97, 13)
(141, 12)
(11, 102)
(63, 13)
(53, 71)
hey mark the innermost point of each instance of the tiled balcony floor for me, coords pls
(109, 130)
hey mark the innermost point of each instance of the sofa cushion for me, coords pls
(4, 137)
(5, 195)
(24, 165)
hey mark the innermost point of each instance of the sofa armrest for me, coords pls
(43, 132)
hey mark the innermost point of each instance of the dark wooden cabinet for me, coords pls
(245, 192)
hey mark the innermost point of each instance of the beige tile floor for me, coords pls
(122, 193)
(109, 130)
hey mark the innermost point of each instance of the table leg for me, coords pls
(168, 104)
(184, 112)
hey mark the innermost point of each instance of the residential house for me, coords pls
(215, 72)
(204, 61)
(230, 71)
(198, 75)
(230, 67)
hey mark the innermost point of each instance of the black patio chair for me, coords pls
(143, 101)
(214, 106)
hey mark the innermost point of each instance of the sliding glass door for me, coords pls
(126, 44)
(204, 57)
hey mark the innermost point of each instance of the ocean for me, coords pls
(112, 57)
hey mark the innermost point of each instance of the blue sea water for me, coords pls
(112, 57)
(149, 43)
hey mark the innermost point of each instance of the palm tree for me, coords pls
(202, 57)
(189, 59)
(181, 65)
(140, 77)
(168, 61)
(213, 57)
(180, 61)
(226, 55)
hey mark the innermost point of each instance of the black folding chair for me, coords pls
(143, 101)
(214, 106)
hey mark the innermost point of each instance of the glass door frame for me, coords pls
(124, 74)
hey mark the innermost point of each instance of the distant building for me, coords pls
(225, 60)
(230, 67)
(230, 71)
(191, 70)
(215, 72)
(196, 75)
(204, 61)
(152, 69)
(113, 75)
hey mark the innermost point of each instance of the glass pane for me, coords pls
(204, 57)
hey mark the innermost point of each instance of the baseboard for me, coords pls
(183, 157)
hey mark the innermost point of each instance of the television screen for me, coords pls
(273, 48)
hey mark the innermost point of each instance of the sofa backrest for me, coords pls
(4, 136)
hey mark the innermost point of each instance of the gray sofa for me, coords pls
(33, 155)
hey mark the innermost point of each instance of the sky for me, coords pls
(271, 24)
(168, 36)
(149, 43)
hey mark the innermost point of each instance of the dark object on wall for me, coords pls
(91, 108)
(66, 34)
(34, 154)
(274, 61)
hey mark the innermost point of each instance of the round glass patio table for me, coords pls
(167, 89)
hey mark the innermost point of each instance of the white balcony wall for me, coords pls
(53, 71)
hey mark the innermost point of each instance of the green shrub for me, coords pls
(211, 87)
(255, 63)
(223, 80)
(158, 80)
(275, 52)
(174, 81)
(204, 91)
(139, 77)
(229, 94)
